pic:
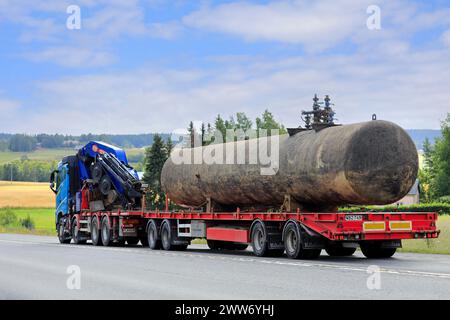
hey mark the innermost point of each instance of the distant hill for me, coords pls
(419, 135)
(143, 140)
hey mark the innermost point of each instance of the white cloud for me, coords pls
(73, 56)
(102, 23)
(409, 88)
(315, 24)
(9, 112)
(445, 38)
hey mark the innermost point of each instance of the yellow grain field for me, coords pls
(26, 195)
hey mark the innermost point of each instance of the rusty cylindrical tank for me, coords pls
(365, 163)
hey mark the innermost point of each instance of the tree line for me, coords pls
(28, 143)
(242, 122)
(435, 176)
(27, 170)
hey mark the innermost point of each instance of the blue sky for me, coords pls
(155, 65)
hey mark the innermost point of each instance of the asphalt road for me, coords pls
(34, 267)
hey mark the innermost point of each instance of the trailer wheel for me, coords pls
(293, 244)
(95, 232)
(259, 240)
(154, 242)
(77, 239)
(375, 251)
(339, 251)
(106, 232)
(166, 236)
(61, 231)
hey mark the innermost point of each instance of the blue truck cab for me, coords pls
(99, 166)
(62, 181)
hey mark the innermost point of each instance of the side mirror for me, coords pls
(52, 181)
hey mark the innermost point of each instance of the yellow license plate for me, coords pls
(400, 225)
(374, 226)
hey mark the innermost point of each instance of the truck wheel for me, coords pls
(375, 251)
(166, 237)
(77, 239)
(154, 242)
(259, 240)
(339, 251)
(293, 244)
(95, 233)
(61, 231)
(106, 232)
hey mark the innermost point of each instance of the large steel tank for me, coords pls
(364, 163)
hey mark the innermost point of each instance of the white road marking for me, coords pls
(308, 264)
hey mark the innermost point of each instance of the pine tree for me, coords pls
(267, 122)
(155, 156)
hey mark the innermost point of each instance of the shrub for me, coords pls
(445, 199)
(7, 217)
(27, 223)
(439, 207)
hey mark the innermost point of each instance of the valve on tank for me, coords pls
(321, 117)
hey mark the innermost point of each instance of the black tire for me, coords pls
(106, 232)
(63, 239)
(95, 232)
(154, 242)
(259, 240)
(339, 251)
(375, 251)
(293, 244)
(166, 236)
(96, 172)
(77, 239)
(132, 241)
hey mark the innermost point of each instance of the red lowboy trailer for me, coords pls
(299, 234)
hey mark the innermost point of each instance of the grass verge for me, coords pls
(440, 245)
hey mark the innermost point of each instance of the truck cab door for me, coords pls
(62, 188)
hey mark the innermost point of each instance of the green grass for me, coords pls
(439, 245)
(43, 218)
(40, 154)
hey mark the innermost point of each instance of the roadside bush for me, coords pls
(439, 207)
(445, 199)
(27, 223)
(7, 218)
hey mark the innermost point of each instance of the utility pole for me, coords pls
(11, 172)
